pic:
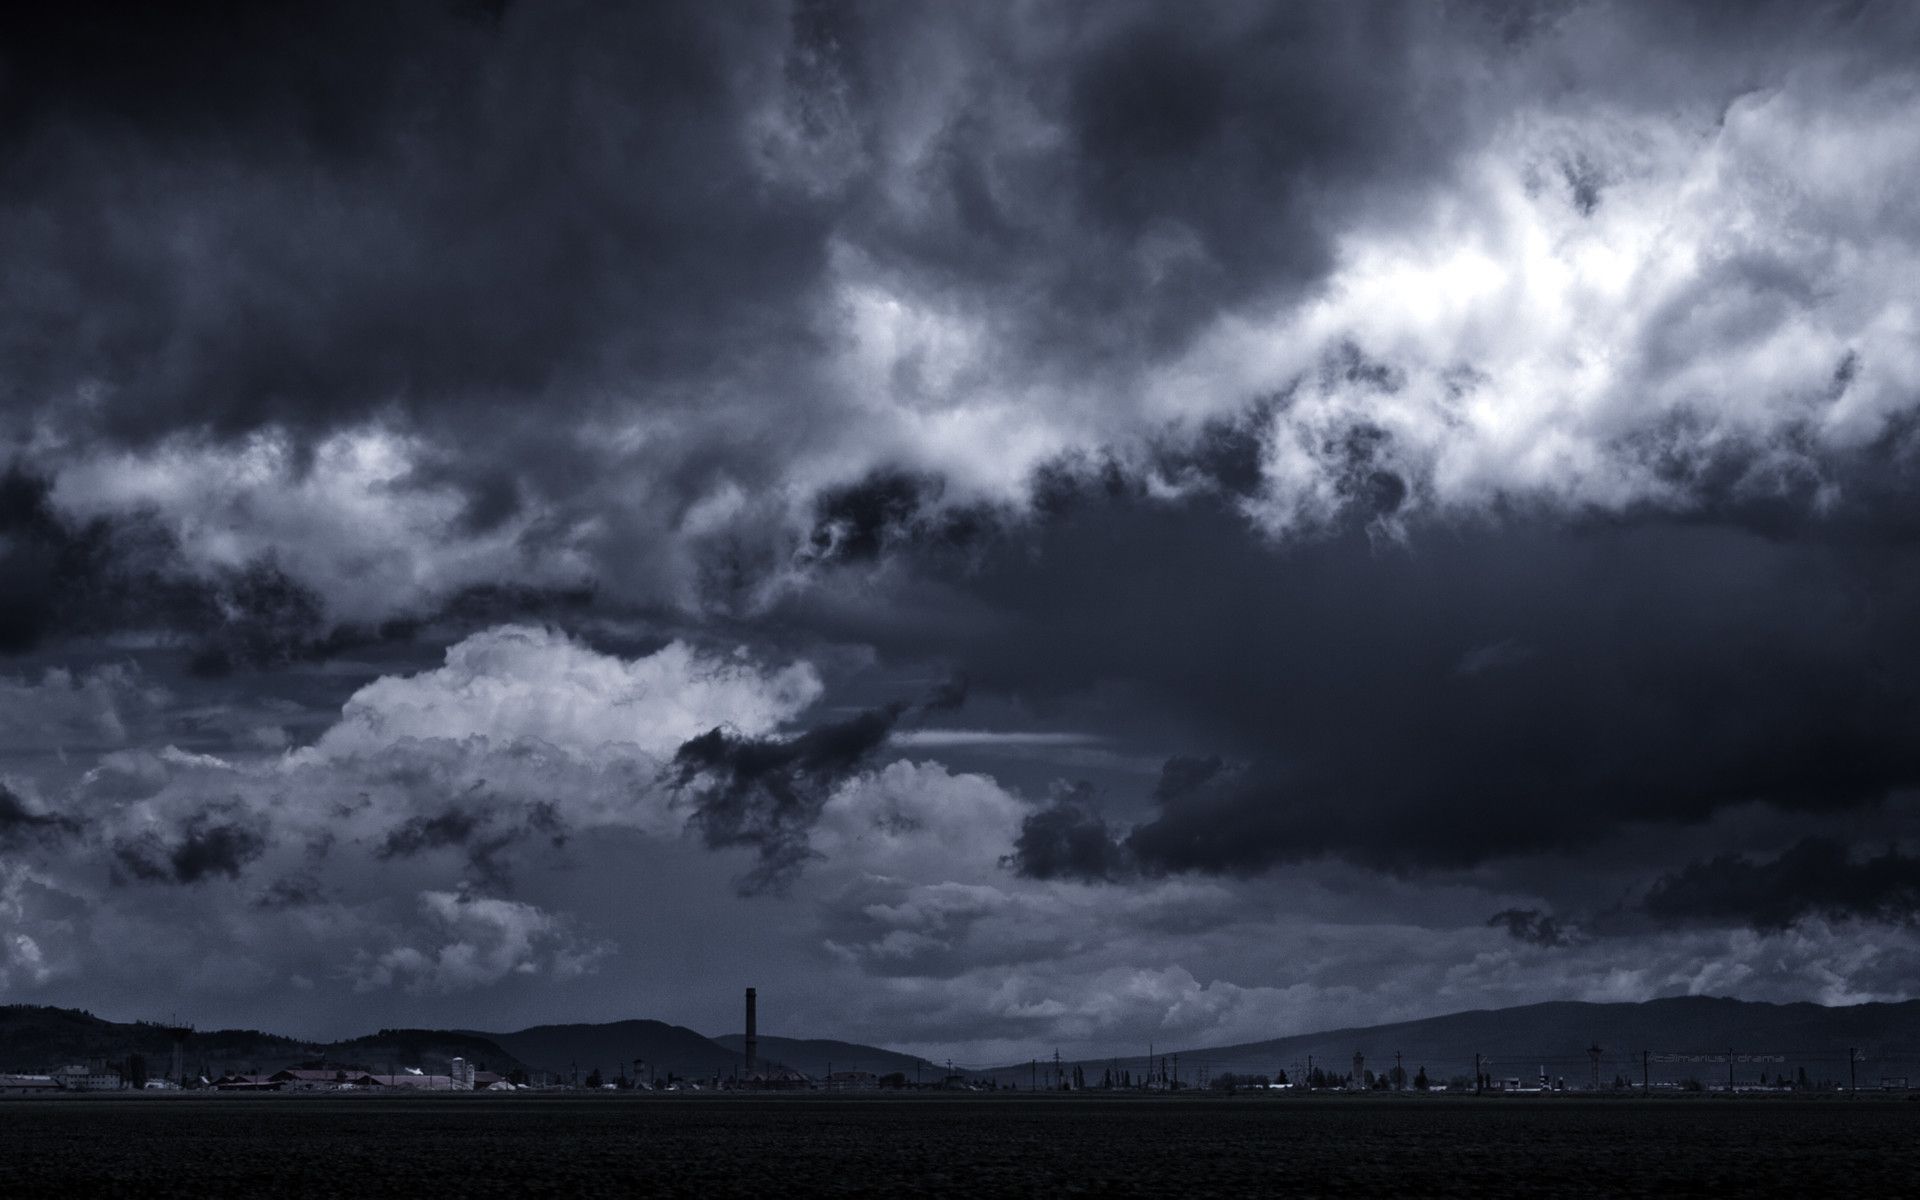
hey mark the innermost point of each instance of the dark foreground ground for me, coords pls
(988, 1145)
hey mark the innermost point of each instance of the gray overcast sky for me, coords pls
(1003, 525)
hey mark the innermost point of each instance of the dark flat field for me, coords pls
(987, 1145)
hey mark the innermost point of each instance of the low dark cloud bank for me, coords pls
(1497, 685)
(1816, 877)
(1533, 926)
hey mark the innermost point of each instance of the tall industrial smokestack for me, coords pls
(753, 1036)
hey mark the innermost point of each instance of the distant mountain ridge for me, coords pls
(40, 1038)
(817, 1056)
(1668, 1039)
(1657, 1040)
(613, 1047)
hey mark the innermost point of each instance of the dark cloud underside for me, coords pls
(1493, 686)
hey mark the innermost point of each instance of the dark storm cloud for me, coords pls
(766, 793)
(1069, 839)
(949, 695)
(1816, 877)
(888, 510)
(295, 891)
(270, 622)
(1275, 108)
(419, 175)
(490, 230)
(482, 837)
(452, 827)
(494, 231)
(1510, 682)
(20, 823)
(1533, 926)
(61, 578)
(218, 840)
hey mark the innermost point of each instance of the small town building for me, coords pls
(79, 1078)
(430, 1083)
(308, 1080)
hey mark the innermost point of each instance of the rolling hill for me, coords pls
(815, 1056)
(1670, 1040)
(39, 1038)
(613, 1047)
(1680, 1038)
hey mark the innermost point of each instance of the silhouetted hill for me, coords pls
(35, 1038)
(1687, 1036)
(38, 1038)
(612, 1047)
(430, 1050)
(814, 1056)
(1684, 1036)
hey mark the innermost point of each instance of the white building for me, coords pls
(88, 1079)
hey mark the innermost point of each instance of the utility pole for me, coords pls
(1176, 1072)
(1594, 1052)
(1033, 1075)
(1399, 1072)
(1853, 1079)
(1646, 1076)
(1476, 1074)
(1729, 1070)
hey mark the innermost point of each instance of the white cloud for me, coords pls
(356, 521)
(917, 821)
(1726, 272)
(520, 682)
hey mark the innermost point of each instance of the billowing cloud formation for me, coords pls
(523, 682)
(1362, 467)
(1462, 258)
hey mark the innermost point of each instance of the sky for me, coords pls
(1004, 526)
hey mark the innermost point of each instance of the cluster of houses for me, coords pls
(461, 1077)
(100, 1077)
(80, 1077)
